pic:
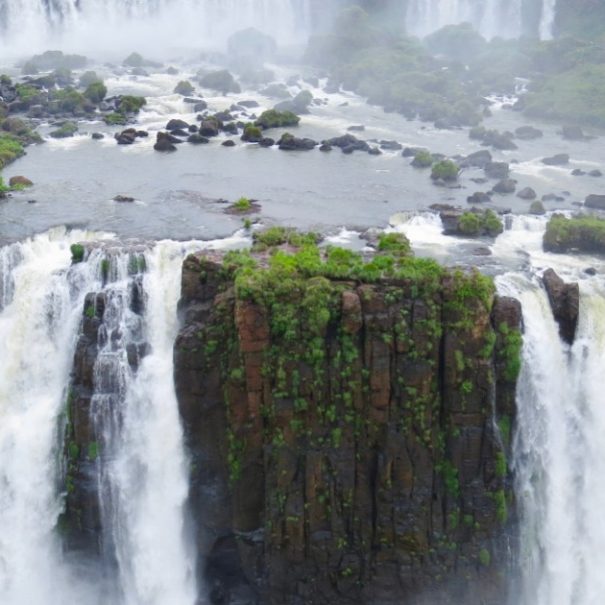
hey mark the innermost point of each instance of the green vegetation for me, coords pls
(573, 95)
(480, 223)
(96, 92)
(131, 104)
(510, 351)
(69, 100)
(77, 253)
(93, 450)
(504, 425)
(27, 93)
(67, 129)
(242, 205)
(396, 244)
(501, 465)
(582, 233)
(53, 60)
(185, 88)
(423, 159)
(277, 236)
(445, 170)
(115, 119)
(10, 149)
(252, 133)
(484, 557)
(277, 119)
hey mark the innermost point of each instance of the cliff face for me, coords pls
(348, 440)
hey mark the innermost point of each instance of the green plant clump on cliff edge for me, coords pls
(582, 233)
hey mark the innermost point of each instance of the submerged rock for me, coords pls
(595, 201)
(560, 159)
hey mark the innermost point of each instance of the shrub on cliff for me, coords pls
(475, 223)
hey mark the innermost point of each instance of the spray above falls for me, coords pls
(123, 25)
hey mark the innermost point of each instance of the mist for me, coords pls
(302, 302)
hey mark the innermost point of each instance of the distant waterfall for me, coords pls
(548, 19)
(154, 25)
(491, 18)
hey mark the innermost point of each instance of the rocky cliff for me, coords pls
(348, 431)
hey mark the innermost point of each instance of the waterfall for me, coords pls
(491, 18)
(560, 450)
(122, 26)
(141, 465)
(547, 20)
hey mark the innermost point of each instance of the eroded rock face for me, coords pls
(565, 303)
(347, 457)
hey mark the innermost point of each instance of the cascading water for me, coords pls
(560, 451)
(125, 25)
(491, 18)
(141, 464)
(547, 20)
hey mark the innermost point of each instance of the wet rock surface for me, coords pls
(361, 477)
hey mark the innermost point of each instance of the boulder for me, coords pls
(221, 81)
(479, 197)
(197, 139)
(595, 201)
(537, 208)
(276, 91)
(479, 159)
(164, 142)
(298, 105)
(267, 142)
(528, 133)
(348, 143)
(595, 173)
(228, 143)
(97, 136)
(390, 145)
(505, 186)
(176, 124)
(527, 193)
(560, 159)
(497, 170)
(209, 128)
(19, 181)
(573, 133)
(126, 137)
(289, 142)
(200, 106)
(184, 88)
(565, 304)
(552, 197)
